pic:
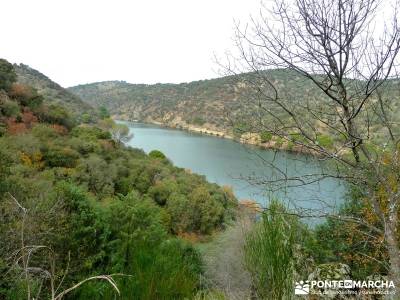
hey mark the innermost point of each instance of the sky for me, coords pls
(148, 41)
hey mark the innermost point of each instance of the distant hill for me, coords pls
(218, 105)
(51, 91)
(207, 103)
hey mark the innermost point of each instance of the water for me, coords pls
(227, 162)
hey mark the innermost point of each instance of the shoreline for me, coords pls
(247, 138)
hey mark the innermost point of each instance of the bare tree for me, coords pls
(332, 46)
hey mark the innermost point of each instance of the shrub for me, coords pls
(160, 267)
(7, 75)
(157, 154)
(279, 142)
(270, 253)
(84, 146)
(103, 112)
(197, 212)
(240, 128)
(10, 108)
(325, 141)
(198, 121)
(265, 136)
(86, 118)
(26, 95)
(60, 157)
(44, 132)
(161, 191)
(97, 174)
(91, 133)
(55, 114)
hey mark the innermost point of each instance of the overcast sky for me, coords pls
(147, 41)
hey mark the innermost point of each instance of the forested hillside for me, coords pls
(209, 103)
(52, 92)
(226, 105)
(76, 203)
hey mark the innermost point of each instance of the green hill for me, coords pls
(51, 91)
(75, 202)
(209, 103)
(223, 106)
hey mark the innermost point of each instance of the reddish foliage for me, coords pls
(14, 127)
(21, 91)
(26, 122)
(28, 118)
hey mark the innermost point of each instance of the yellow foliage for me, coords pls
(25, 159)
(37, 157)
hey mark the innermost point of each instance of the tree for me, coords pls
(103, 112)
(331, 46)
(7, 75)
(119, 132)
(157, 154)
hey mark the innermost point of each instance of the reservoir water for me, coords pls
(242, 167)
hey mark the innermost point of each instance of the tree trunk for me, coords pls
(394, 253)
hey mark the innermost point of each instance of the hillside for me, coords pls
(224, 106)
(51, 91)
(95, 207)
(212, 104)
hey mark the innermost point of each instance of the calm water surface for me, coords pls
(226, 162)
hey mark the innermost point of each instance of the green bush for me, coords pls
(10, 109)
(44, 132)
(91, 133)
(60, 157)
(56, 114)
(325, 141)
(240, 128)
(265, 136)
(84, 146)
(103, 112)
(7, 75)
(86, 118)
(97, 175)
(198, 121)
(161, 191)
(279, 142)
(196, 212)
(158, 267)
(271, 253)
(157, 154)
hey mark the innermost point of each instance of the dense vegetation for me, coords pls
(280, 249)
(102, 208)
(53, 92)
(224, 104)
(214, 104)
(75, 203)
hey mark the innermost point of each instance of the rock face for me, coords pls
(251, 138)
(330, 271)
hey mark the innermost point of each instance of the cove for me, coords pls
(227, 162)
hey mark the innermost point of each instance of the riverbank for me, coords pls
(248, 138)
